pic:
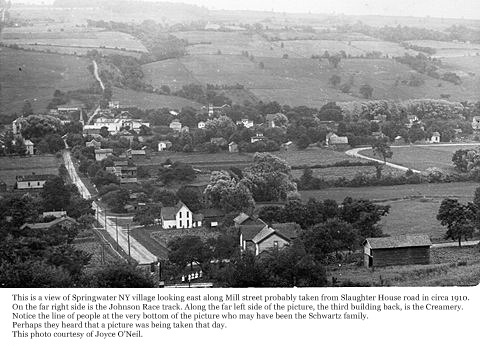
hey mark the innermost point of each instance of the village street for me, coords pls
(137, 251)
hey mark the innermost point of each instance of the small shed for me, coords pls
(398, 250)
(435, 138)
(233, 147)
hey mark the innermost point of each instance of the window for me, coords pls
(180, 215)
(38, 183)
(180, 223)
(188, 214)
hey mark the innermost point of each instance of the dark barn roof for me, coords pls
(411, 240)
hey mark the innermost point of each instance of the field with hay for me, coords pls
(11, 166)
(423, 157)
(144, 100)
(35, 76)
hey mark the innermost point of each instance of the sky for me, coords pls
(420, 8)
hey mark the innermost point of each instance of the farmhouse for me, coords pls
(338, 142)
(29, 148)
(63, 221)
(397, 250)
(101, 154)
(268, 237)
(130, 153)
(176, 125)
(233, 147)
(179, 216)
(435, 138)
(246, 123)
(56, 214)
(258, 137)
(476, 123)
(286, 146)
(201, 124)
(94, 143)
(33, 181)
(126, 174)
(270, 119)
(164, 145)
(212, 217)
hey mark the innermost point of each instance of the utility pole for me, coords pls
(116, 229)
(128, 240)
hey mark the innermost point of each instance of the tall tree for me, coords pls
(381, 148)
(458, 218)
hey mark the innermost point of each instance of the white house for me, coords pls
(476, 123)
(33, 181)
(101, 154)
(333, 140)
(246, 123)
(176, 125)
(29, 148)
(258, 137)
(258, 238)
(164, 145)
(201, 124)
(435, 138)
(180, 216)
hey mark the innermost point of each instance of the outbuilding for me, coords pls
(398, 250)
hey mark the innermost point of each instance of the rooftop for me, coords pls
(407, 240)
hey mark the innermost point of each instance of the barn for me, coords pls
(397, 250)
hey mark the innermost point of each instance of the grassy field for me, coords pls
(449, 49)
(413, 207)
(79, 51)
(421, 158)
(12, 166)
(446, 269)
(35, 76)
(314, 155)
(88, 39)
(151, 101)
(463, 191)
(210, 42)
(169, 72)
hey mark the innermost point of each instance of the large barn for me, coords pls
(398, 250)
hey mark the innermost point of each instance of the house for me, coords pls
(55, 214)
(125, 173)
(246, 123)
(164, 145)
(233, 147)
(212, 217)
(220, 141)
(399, 140)
(101, 154)
(130, 153)
(258, 137)
(64, 221)
(17, 126)
(435, 138)
(185, 129)
(286, 146)
(94, 143)
(476, 123)
(114, 104)
(268, 237)
(412, 119)
(338, 142)
(176, 125)
(270, 119)
(201, 124)
(33, 181)
(397, 250)
(179, 216)
(29, 147)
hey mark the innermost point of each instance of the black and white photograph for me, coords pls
(234, 144)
